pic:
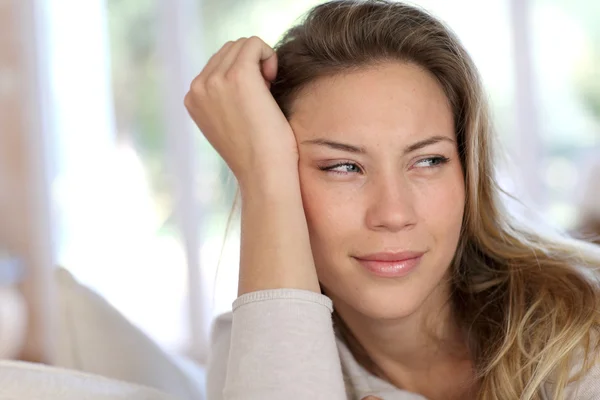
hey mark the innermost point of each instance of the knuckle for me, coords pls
(187, 102)
(197, 86)
(213, 82)
(225, 47)
(236, 74)
(255, 40)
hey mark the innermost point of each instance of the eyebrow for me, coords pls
(361, 150)
(337, 145)
(427, 142)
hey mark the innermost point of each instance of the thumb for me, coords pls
(269, 68)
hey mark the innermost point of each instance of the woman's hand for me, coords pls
(231, 104)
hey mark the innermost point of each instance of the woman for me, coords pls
(363, 151)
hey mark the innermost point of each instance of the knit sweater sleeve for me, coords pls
(279, 344)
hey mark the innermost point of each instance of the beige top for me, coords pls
(280, 344)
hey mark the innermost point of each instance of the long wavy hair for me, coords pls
(527, 302)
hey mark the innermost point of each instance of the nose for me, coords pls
(391, 206)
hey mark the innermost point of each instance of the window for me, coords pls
(143, 200)
(566, 53)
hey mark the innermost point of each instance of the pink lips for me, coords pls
(390, 265)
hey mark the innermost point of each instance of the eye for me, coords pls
(431, 162)
(343, 168)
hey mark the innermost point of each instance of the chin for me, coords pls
(386, 302)
(379, 300)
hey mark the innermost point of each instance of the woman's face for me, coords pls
(382, 186)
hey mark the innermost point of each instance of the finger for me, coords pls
(257, 52)
(269, 68)
(230, 57)
(371, 398)
(216, 59)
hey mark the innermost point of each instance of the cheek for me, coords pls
(325, 214)
(441, 205)
(331, 214)
(331, 225)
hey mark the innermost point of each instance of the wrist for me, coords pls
(281, 181)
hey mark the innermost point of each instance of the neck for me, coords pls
(414, 351)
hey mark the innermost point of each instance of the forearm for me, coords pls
(283, 347)
(275, 246)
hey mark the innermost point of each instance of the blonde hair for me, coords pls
(526, 302)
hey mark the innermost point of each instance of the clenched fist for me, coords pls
(231, 103)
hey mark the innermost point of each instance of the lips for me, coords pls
(400, 256)
(390, 265)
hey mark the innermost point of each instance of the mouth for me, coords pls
(390, 265)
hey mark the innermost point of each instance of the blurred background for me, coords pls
(103, 173)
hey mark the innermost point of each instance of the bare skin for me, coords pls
(231, 103)
(395, 185)
(403, 191)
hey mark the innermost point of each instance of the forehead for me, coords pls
(394, 98)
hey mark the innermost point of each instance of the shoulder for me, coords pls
(587, 385)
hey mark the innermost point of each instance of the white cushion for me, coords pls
(94, 337)
(21, 380)
(13, 322)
